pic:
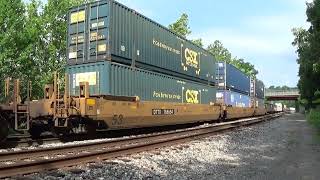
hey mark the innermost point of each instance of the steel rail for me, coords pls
(30, 161)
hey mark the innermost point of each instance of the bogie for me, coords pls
(4, 129)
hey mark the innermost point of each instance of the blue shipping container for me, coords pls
(233, 98)
(230, 78)
(107, 78)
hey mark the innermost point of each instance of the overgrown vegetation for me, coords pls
(307, 42)
(181, 27)
(314, 118)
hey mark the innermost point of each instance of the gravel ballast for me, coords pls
(285, 148)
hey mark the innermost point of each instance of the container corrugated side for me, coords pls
(229, 77)
(233, 98)
(107, 78)
(88, 33)
(111, 31)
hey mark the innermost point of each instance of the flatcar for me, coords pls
(83, 113)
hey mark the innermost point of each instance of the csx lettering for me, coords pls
(192, 96)
(191, 58)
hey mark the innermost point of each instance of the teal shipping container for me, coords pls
(107, 78)
(109, 31)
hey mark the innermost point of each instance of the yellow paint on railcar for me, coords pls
(239, 112)
(260, 111)
(122, 115)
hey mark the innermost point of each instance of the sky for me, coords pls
(258, 31)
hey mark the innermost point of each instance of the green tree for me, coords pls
(55, 32)
(51, 47)
(245, 67)
(307, 43)
(181, 26)
(12, 21)
(12, 41)
(33, 40)
(198, 42)
(220, 52)
(36, 69)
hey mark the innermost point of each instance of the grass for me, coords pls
(314, 118)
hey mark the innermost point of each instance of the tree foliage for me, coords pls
(307, 43)
(181, 26)
(280, 88)
(33, 41)
(198, 42)
(222, 54)
(12, 39)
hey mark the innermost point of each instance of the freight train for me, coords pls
(126, 71)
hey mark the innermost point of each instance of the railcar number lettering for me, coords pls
(156, 112)
(117, 119)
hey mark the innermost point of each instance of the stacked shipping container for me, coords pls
(155, 63)
(231, 78)
(234, 87)
(107, 78)
(107, 30)
(120, 52)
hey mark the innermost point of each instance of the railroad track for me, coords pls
(25, 142)
(36, 160)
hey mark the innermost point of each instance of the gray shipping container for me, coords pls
(259, 89)
(107, 30)
(260, 103)
(230, 78)
(107, 78)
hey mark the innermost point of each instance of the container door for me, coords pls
(220, 75)
(76, 36)
(98, 46)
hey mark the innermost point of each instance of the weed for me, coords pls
(314, 118)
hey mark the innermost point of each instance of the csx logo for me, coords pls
(191, 58)
(192, 96)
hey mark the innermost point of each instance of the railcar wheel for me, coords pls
(35, 131)
(4, 129)
(91, 129)
(61, 132)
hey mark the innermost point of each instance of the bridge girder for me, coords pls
(279, 98)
